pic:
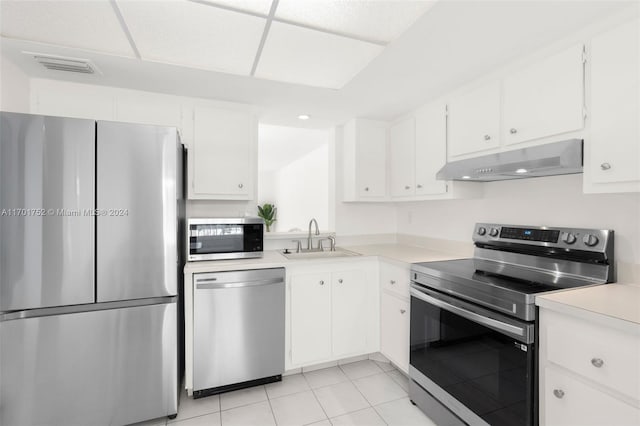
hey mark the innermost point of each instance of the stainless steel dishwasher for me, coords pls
(238, 329)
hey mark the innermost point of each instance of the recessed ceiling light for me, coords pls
(466, 177)
(521, 171)
(303, 117)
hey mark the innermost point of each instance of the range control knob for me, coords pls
(569, 238)
(590, 240)
(482, 231)
(493, 232)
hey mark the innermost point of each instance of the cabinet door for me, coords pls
(349, 314)
(371, 156)
(474, 120)
(222, 157)
(431, 148)
(394, 330)
(310, 318)
(545, 99)
(615, 105)
(568, 401)
(402, 150)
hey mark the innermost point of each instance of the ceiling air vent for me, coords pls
(61, 63)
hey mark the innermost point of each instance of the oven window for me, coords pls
(488, 372)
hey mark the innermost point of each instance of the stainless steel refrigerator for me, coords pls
(89, 271)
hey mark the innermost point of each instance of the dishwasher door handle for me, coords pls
(239, 284)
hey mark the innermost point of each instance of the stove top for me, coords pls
(513, 264)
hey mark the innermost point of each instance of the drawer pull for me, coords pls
(340, 280)
(321, 282)
(402, 311)
(558, 393)
(597, 362)
(605, 166)
(392, 282)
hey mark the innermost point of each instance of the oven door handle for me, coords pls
(471, 316)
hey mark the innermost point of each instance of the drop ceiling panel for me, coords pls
(194, 35)
(375, 20)
(89, 25)
(299, 55)
(261, 7)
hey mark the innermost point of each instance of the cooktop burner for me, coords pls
(512, 264)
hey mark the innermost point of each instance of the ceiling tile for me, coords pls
(194, 35)
(299, 55)
(261, 7)
(89, 25)
(375, 20)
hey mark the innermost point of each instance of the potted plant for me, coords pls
(268, 213)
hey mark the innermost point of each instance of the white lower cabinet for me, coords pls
(394, 329)
(310, 317)
(348, 313)
(333, 312)
(569, 401)
(589, 372)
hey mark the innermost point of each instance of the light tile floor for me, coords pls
(363, 393)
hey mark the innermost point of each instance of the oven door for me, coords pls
(477, 363)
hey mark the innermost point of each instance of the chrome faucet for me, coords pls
(309, 238)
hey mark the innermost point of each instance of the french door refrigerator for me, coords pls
(88, 271)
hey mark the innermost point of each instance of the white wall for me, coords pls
(302, 192)
(551, 201)
(14, 87)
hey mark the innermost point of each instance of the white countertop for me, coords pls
(274, 258)
(614, 301)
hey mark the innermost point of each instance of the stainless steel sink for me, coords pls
(320, 254)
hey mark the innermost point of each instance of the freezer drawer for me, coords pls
(238, 327)
(109, 367)
(46, 200)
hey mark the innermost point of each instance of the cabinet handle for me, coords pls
(487, 137)
(321, 282)
(419, 186)
(392, 282)
(340, 280)
(366, 188)
(407, 187)
(513, 131)
(597, 362)
(402, 311)
(558, 393)
(240, 185)
(605, 166)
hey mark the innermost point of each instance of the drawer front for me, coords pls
(604, 355)
(568, 401)
(395, 278)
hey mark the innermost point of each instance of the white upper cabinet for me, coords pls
(402, 137)
(223, 159)
(474, 120)
(430, 148)
(365, 160)
(615, 108)
(546, 98)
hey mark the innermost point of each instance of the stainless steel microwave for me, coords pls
(228, 238)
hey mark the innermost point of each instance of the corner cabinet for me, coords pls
(333, 311)
(365, 160)
(613, 156)
(222, 162)
(589, 372)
